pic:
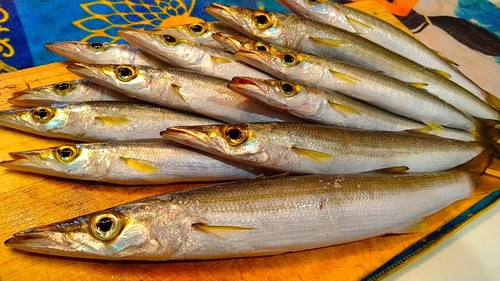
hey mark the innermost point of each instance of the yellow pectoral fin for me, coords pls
(446, 59)
(442, 73)
(113, 119)
(391, 170)
(314, 155)
(491, 99)
(218, 229)
(436, 127)
(419, 226)
(344, 77)
(220, 59)
(355, 22)
(177, 90)
(423, 130)
(140, 165)
(344, 109)
(335, 43)
(419, 85)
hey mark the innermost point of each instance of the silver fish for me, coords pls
(181, 90)
(91, 121)
(317, 38)
(200, 32)
(384, 34)
(136, 162)
(371, 87)
(330, 108)
(188, 55)
(66, 91)
(103, 53)
(234, 43)
(319, 149)
(255, 218)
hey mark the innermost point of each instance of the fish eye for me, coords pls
(125, 73)
(288, 90)
(63, 88)
(235, 135)
(105, 227)
(95, 46)
(197, 29)
(259, 46)
(290, 60)
(262, 20)
(168, 39)
(43, 114)
(65, 153)
(312, 2)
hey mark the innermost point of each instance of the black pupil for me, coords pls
(261, 19)
(65, 152)
(287, 88)
(234, 134)
(42, 113)
(289, 58)
(124, 72)
(62, 86)
(197, 28)
(169, 38)
(96, 45)
(262, 48)
(104, 224)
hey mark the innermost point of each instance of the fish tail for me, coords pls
(491, 99)
(486, 132)
(486, 184)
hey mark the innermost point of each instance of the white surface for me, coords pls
(472, 253)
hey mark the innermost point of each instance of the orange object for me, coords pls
(397, 7)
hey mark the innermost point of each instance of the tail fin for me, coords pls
(486, 184)
(491, 99)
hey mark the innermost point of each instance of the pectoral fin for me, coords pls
(419, 226)
(442, 73)
(391, 170)
(217, 230)
(335, 43)
(446, 59)
(358, 23)
(344, 77)
(419, 85)
(436, 127)
(177, 90)
(140, 165)
(314, 155)
(344, 109)
(113, 119)
(220, 59)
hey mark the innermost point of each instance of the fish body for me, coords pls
(323, 40)
(65, 92)
(181, 90)
(330, 108)
(91, 121)
(319, 149)
(265, 216)
(371, 87)
(384, 34)
(103, 53)
(136, 162)
(189, 55)
(200, 32)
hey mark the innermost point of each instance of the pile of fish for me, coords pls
(339, 126)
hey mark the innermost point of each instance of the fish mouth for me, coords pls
(23, 98)
(256, 89)
(67, 49)
(193, 136)
(21, 161)
(227, 42)
(84, 70)
(259, 60)
(227, 15)
(142, 40)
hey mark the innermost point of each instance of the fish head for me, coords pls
(321, 10)
(89, 52)
(129, 79)
(130, 231)
(235, 43)
(285, 65)
(252, 23)
(200, 32)
(161, 44)
(63, 91)
(44, 118)
(272, 92)
(241, 142)
(66, 161)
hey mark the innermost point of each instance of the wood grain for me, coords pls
(29, 200)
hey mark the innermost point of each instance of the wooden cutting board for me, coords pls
(29, 200)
